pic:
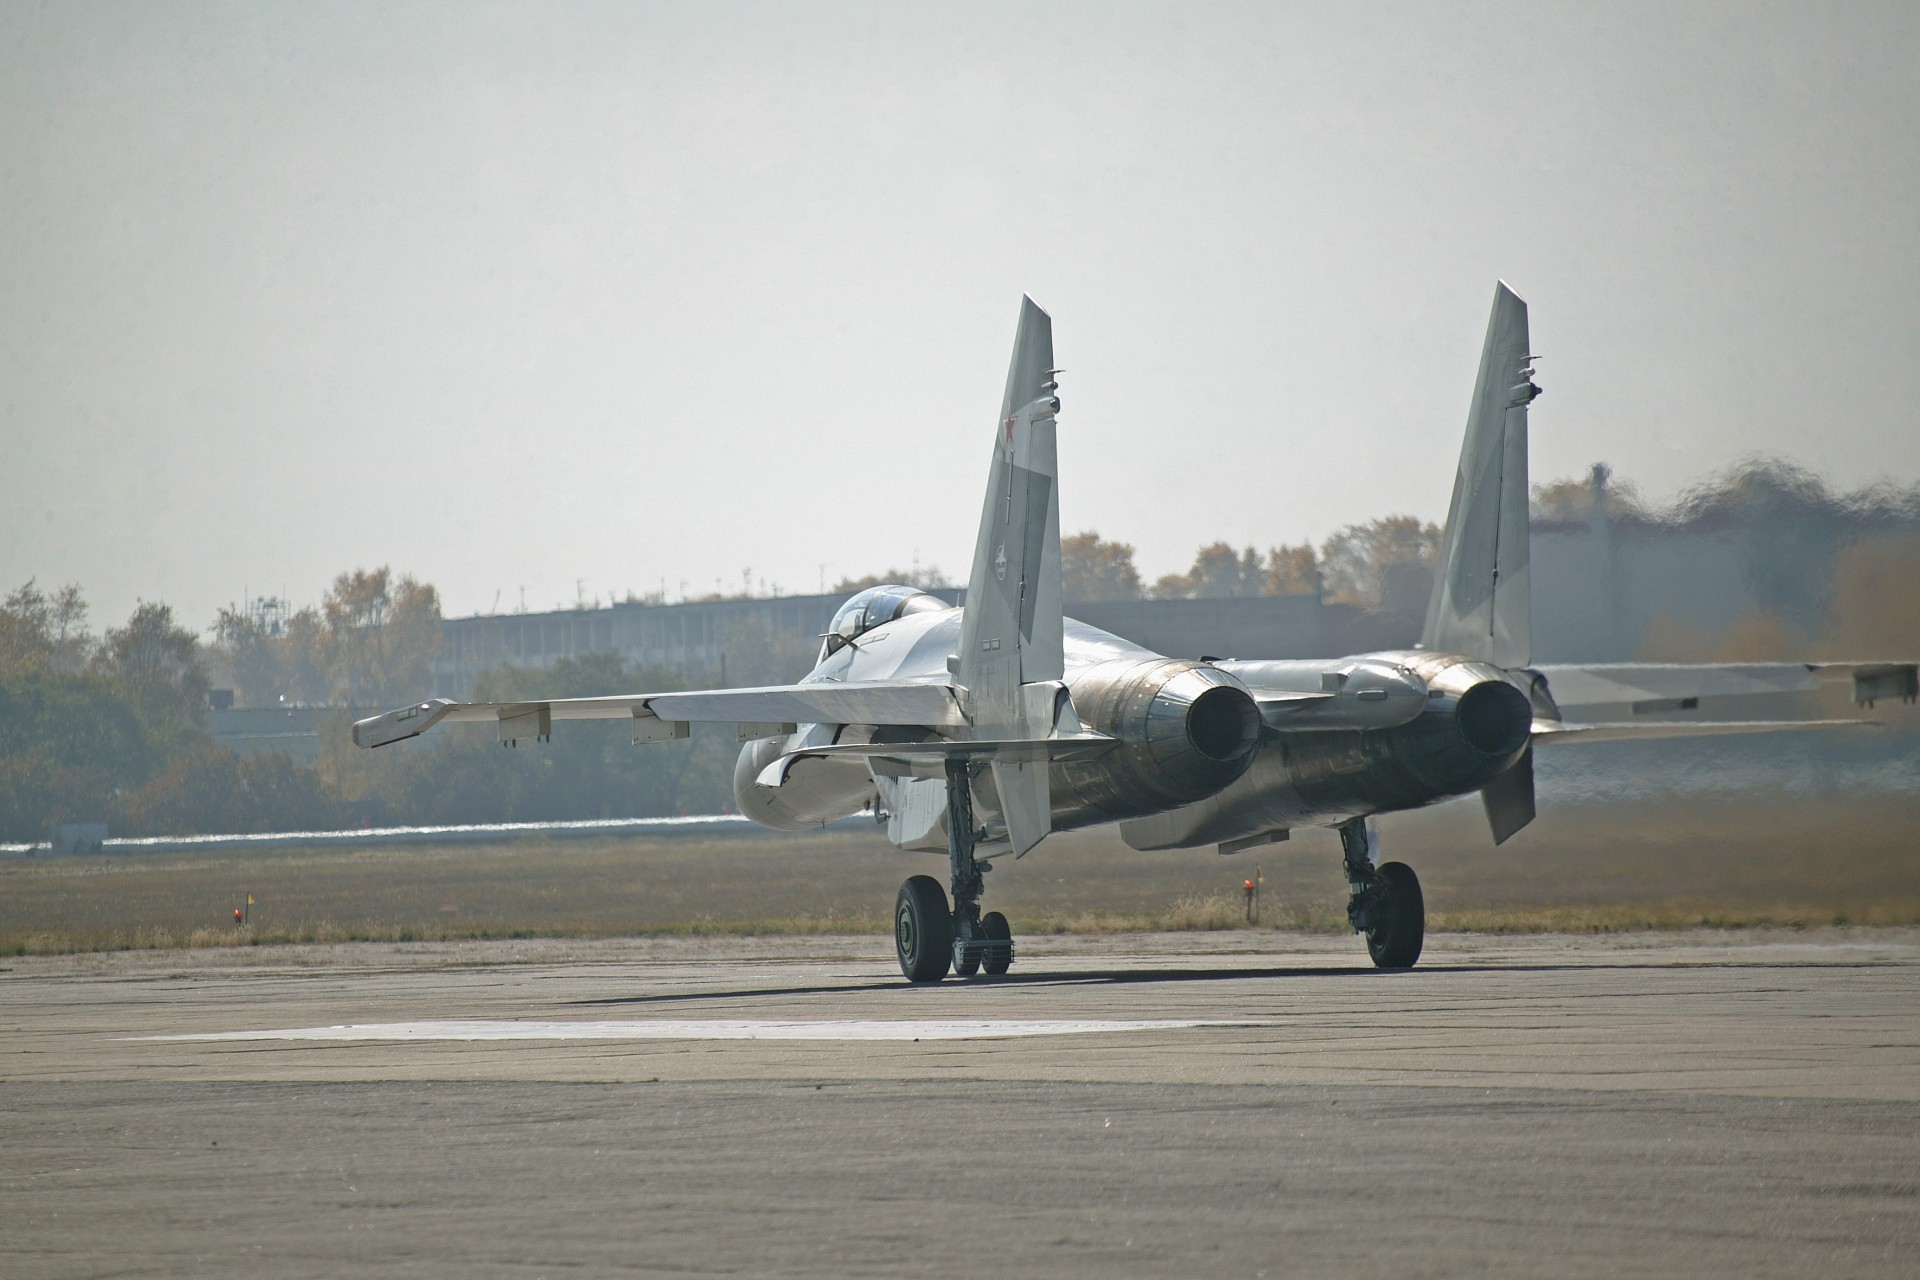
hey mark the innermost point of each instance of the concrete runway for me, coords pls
(1707, 1104)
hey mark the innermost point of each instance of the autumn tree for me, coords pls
(1292, 571)
(1092, 569)
(1358, 563)
(381, 635)
(1218, 572)
(1569, 501)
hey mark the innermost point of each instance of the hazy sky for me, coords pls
(516, 295)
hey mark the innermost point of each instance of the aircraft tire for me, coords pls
(995, 926)
(966, 968)
(922, 930)
(1395, 942)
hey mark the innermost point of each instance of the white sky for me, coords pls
(514, 295)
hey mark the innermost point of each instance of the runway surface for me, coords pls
(1221, 1104)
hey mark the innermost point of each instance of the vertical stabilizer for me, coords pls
(1482, 603)
(1011, 633)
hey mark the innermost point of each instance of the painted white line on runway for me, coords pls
(702, 1029)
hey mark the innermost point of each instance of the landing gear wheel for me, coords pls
(923, 930)
(995, 927)
(1399, 919)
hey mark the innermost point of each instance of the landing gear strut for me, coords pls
(927, 938)
(1386, 905)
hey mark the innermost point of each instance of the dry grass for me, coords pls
(1589, 869)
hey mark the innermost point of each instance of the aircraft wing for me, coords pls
(1546, 731)
(937, 751)
(662, 716)
(1654, 686)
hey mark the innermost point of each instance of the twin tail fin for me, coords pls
(1482, 604)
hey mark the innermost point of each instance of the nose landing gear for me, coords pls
(927, 937)
(1387, 905)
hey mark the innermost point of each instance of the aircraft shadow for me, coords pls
(1144, 977)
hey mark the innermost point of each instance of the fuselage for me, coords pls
(1194, 760)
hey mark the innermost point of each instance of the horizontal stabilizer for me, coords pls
(1545, 731)
(1669, 685)
(1509, 798)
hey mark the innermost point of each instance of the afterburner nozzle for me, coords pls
(1494, 718)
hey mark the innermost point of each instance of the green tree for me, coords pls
(249, 657)
(85, 724)
(44, 631)
(590, 769)
(159, 663)
(200, 787)
(69, 742)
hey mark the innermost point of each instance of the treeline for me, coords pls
(115, 728)
(371, 640)
(590, 768)
(1795, 522)
(1359, 565)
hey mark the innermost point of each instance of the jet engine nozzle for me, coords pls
(1219, 721)
(1494, 718)
(1475, 723)
(1185, 730)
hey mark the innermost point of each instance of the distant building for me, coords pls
(293, 731)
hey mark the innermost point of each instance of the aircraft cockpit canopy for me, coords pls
(867, 609)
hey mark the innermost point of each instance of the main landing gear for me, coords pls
(1386, 904)
(928, 937)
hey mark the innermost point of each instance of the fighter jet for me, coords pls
(978, 731)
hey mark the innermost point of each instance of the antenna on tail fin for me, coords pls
(1482, 603)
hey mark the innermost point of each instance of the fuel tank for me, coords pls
(816, 791)
(1476, 722)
